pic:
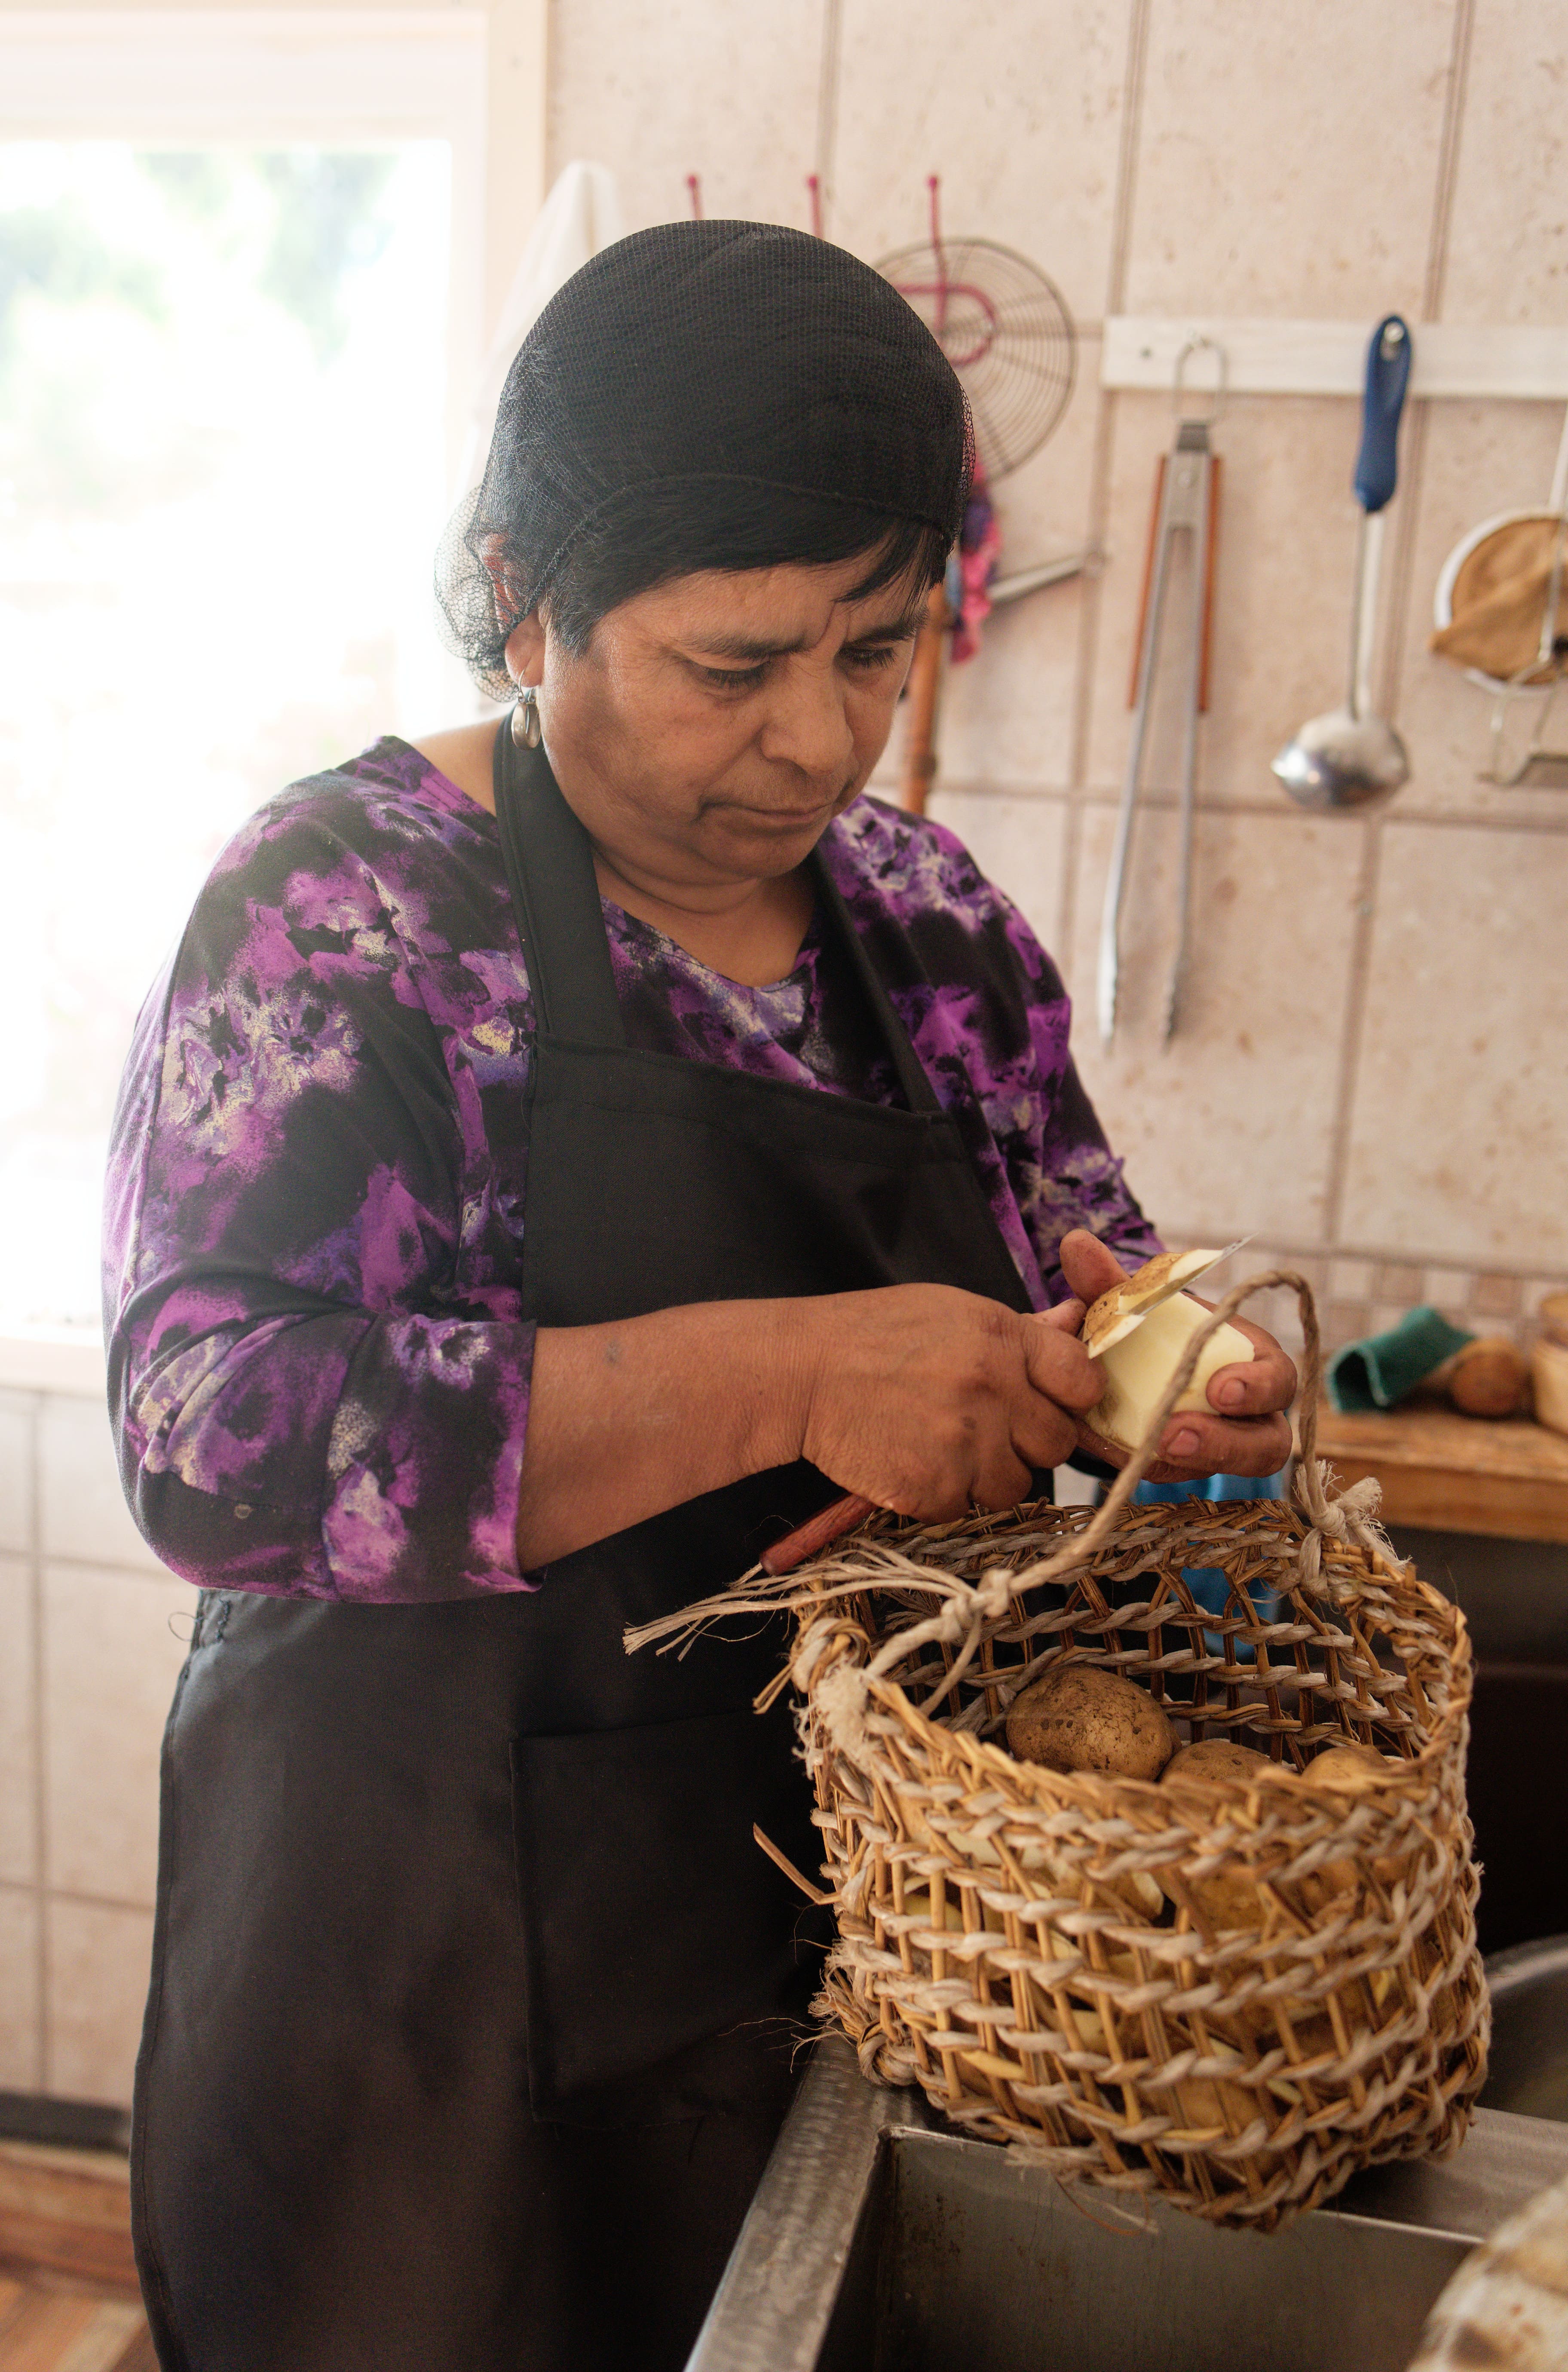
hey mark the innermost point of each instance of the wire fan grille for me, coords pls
(1006, 330)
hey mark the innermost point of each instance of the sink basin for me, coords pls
(879, 2243)
(1529, 2070)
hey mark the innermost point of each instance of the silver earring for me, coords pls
(526, 730)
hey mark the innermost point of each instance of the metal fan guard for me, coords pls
(1006, 330)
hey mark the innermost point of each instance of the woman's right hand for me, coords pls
(929, 1400)
(919, 1397)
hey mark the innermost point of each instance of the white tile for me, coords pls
(1350, 1279)
(19, 1727)
(1508, 238)
(729, 93)
(1227, 1129)
(1019, 110)
(54, 1359)
(1449, 1288)
(1019, 843)
(97, 1959)
(113, 1645)
(84, 1512)
(1287, 160)
(21, 2068)
(1460, 1133)
(16, 1470)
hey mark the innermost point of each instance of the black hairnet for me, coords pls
(688, 382)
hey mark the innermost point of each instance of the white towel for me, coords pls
(581, 215)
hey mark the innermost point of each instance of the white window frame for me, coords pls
(188, 75)
(184, 77)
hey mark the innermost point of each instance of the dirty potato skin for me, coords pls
(1351, 1766)
(1215, 1758)
(1226, 1898)
(1349, 1769)
(1079, 1718)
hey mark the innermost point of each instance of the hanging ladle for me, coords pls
(1350, 758)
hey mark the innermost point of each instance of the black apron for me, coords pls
(474, 2000)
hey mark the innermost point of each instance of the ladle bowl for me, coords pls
(1341, 760)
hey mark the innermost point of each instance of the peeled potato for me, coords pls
(1215, 1758)
(1080, 1718)
(1139, 1363)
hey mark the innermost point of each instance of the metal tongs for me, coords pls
(1186, 504)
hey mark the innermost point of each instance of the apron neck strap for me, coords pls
(550, 871)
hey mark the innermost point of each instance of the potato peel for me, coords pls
(1123, 1307)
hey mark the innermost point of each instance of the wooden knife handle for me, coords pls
(810, 1540)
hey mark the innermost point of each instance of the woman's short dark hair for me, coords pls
(702, 396)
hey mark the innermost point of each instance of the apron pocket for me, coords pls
(652, 1921)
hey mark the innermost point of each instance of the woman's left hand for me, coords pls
(1247, 1433)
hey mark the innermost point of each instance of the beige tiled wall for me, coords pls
(91, 1638)
(1372, 1073)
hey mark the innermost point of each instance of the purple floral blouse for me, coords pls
(318, 1180)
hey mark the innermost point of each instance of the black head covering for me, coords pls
(712, 353)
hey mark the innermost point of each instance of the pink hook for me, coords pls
(815, 186)
(933, 183)
(695, 187)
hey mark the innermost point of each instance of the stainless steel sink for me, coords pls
(877, 2243)
(1528, 2071)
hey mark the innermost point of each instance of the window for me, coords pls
(226, 424)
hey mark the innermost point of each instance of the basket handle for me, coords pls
(844, 1515)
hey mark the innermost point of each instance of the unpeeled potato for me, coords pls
(1350, 1766)
(1214, 1758)
(1077, 1718)
(1226, 1897)
(1350, 1769)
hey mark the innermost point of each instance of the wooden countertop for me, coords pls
(1448, 1472)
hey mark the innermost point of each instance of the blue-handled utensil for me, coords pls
(1350, 758)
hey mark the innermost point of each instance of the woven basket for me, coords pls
(1044, 1955)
